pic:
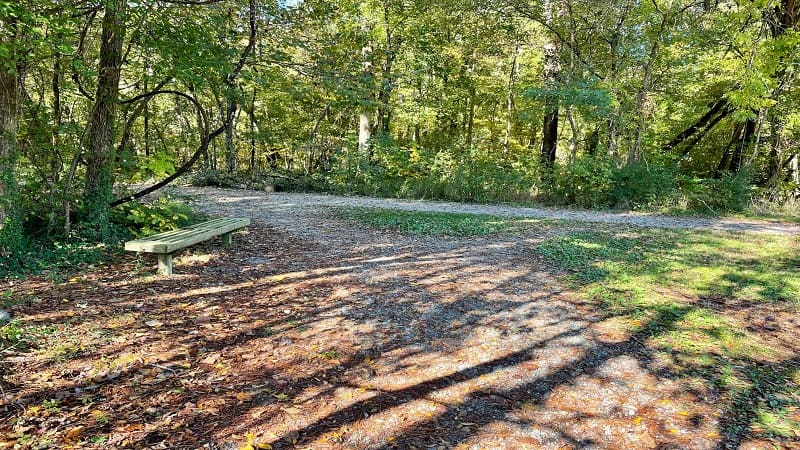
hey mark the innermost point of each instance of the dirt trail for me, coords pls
(291, 201)
(311, 332)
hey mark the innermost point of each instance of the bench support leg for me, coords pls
(227, 239)
(165, 264)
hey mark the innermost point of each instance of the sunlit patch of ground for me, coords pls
(356, 340)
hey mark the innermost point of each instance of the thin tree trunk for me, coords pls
(512, 77)
(635, 152)
(470, 116)
(748, 134)
(364, 124)
(252, 114)
(718, 110)
(147, 117)
(230, 120)
(393, 42)
(98, 193)
(775, 154)
(55, 151)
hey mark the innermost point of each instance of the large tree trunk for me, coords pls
(552, 69)
(99, 193)
(10, 93)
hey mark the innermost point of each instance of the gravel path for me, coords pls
(297, 201)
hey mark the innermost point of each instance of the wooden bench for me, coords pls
(165, 244)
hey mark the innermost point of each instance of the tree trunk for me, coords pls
(252, 114)
(552, 69)
(742, 137)
(718, 109)
(748, 134)
(775, 154)
(470, 116)
(98, 193)
(230, 148)
(364, 124)
(635, 152)
(55, 151)
(10, 94)
(512, 77)
(146, 118)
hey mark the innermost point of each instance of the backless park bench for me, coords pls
(167, 243)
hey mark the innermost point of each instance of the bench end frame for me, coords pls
(165, 263)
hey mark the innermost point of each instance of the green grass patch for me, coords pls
(680, 286)
(433, 223)
(715, 265)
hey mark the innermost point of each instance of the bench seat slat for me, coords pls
(171, 241)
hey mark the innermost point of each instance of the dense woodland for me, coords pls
(628, 103)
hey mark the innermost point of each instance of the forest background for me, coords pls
(655, 105)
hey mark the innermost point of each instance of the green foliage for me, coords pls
(57, 257)
(449, 174)
(730, 192)
(216, 178)
(163, 214)
(12, 239)
(588, 182)
(643, 186)
(12, 334)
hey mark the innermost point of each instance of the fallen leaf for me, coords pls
(74, 433)
(243, 396)
(211, 359)
(291, 410)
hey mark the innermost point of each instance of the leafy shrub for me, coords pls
(588, 182)
(163, 214)
(56, 256)
(639, 186)
(731, 192)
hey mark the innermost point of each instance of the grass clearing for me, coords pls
(714, 304)
(435, 223)
(714, 309)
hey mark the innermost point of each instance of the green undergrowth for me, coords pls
(434, 223)
(61, 257)
(57, 258)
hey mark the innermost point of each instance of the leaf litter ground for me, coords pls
(313, 332)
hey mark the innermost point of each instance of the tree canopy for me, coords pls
(638, 104)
